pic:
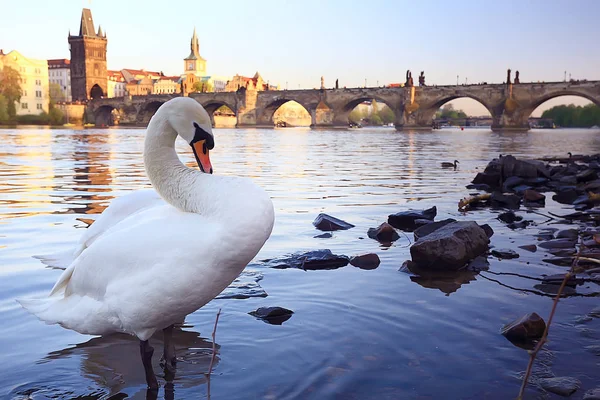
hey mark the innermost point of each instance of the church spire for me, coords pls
(86, 27)
(194, 48)
(100, 31)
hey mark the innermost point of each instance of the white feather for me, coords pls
(153, 257)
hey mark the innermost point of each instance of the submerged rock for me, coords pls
(244, 286)
(325, 235)
(509, 217)
(532, 196)
(505, 253)
(365, 261)
(384, 233)
(425, 230)
(488, 230)
(272, 315)
(311, 260)
(560, 385)
(592, 394)
(505, 200)
(558, 244)
(478, 264)
(451, 246)
(557, 279)
(325, 222)
(529, 247)
(571, 234)
(530, 326)
(405, 220)
(566, 196)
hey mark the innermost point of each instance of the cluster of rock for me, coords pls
(513, 181)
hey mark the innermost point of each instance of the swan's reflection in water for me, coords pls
(112, 362)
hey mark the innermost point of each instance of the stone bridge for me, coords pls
(414, 107)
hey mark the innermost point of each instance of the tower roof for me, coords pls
(195, 48)
(100, 31)
(86, 27)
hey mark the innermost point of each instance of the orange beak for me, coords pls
(201, 152)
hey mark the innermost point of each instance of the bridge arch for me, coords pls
(348, 114)
(211, 106)
(265, 116)
(106, 115)
(558, 118)
(427, 113)
(148, 110)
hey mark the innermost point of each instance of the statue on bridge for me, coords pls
(508, 77)
(337, 86)
(422, 79)
(409, 80)
(517, 80)
(322, 83)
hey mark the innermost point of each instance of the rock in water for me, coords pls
(405, 220)
(505, 253)
(326, 222)
(509, 217)
(560, 385)
(365, 261)
(532, 196)
(384, 233)
(592, 394)
(272, 315)
(530, 326)
(311, 260)
(451, 246)
(505, 200)
(425, 230)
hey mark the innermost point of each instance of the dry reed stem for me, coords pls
(544, 338)
(214, 346)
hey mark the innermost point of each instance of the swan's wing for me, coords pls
(119, 209)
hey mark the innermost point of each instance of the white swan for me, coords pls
(156, 257)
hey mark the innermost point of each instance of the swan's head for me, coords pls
(191, 121)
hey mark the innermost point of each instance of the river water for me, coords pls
(355, 334)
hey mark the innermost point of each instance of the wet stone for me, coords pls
(484, 178)
(560, 385)
(519, 225)
(529, 247)
(365, 261)
(557, 279)
(325, 235)
(571, 234)
(478, 264)
(384, 233)
(425, 230)
(533, 196)
(451, 246)
(521, 189)
(405, 220)
(568, 179)
(587, 175)
(530, 326)
(480, 186)
(325, 222)
(592, 394)
(505, 200)
(505, 253)
(567, 196)
(536, 181)
(511, 182)
(489, 232)
(311, 260)
(557, 244)
(272, 315)
(509, 217)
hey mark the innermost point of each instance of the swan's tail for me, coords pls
(79, 313)
(57, 260)
(41, 308)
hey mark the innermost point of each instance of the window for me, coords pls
(38, 93)
(24, 106)
(39, 106)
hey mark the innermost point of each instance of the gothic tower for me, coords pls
(194, 63)
(89, 78)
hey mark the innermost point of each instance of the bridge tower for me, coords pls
(89, 78)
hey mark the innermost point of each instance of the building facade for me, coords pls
(116, 84)
(34, 82)
(89, 77)
(255, 83)
(167, 85)
(59, 75)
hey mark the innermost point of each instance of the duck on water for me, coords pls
(446, 164)
(154, 256)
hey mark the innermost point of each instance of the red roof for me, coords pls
(59, 62)
(141, 72)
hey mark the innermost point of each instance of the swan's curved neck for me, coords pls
(172, 180)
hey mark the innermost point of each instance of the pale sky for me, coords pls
(299, 41)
